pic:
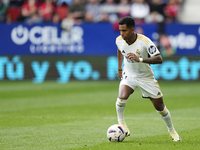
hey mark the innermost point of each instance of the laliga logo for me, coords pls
(20, 35)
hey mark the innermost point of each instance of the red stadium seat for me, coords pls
(62, 11)
(14, 12)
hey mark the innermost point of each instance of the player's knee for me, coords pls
(158, 104)
(160, 107)
(123, 96)
(124, 92)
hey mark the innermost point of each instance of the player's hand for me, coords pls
(132, 56)
(119, 73)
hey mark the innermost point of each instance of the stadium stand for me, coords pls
(14, 12)
(190, 11)
(62, 11)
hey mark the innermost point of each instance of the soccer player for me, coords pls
(138, 52)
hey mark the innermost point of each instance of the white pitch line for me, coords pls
(154, 118)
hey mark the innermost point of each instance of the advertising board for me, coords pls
(88, 39)
(62, 69)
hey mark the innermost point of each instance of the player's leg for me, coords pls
(124, 93)
(152, 90)
(163, 111)
(165, 115)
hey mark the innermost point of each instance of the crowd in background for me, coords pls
(78, 11)
(68, 13)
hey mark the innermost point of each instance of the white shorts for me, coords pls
(149, 89)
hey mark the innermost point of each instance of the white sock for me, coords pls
(120, 106)
(165, 115)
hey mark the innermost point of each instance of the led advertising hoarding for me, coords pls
(87, 39)
(63, 69)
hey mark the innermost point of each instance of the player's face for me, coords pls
(126, 32)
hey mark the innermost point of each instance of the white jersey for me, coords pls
(142, 47)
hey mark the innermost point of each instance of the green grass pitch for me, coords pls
(76, 115)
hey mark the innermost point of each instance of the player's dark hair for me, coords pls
(129, 21)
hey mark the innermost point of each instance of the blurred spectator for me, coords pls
(46, 10)
(139, 30)
(164, 46)
(109, 8)
(180, 3)
(62, 11)
(77, 10)
(124, 8)
(93, 12)
(6, 2)
(56, 18)
(34, 18)
(139, 11)
(68, 22)
(67, 2)
(156, 12)
(18, 3)
(3, 8)
(8, 19)
(29, 8)
(172, 10)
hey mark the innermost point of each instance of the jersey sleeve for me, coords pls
(149, 46)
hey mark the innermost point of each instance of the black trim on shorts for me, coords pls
(145, 97)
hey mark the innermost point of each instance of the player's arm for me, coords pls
(120, 59)
(153, 52)
(157, 59)
(153, 60)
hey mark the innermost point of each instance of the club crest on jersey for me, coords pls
(138, 52)
(152, 49)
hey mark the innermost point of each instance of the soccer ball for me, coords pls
(116, 133)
